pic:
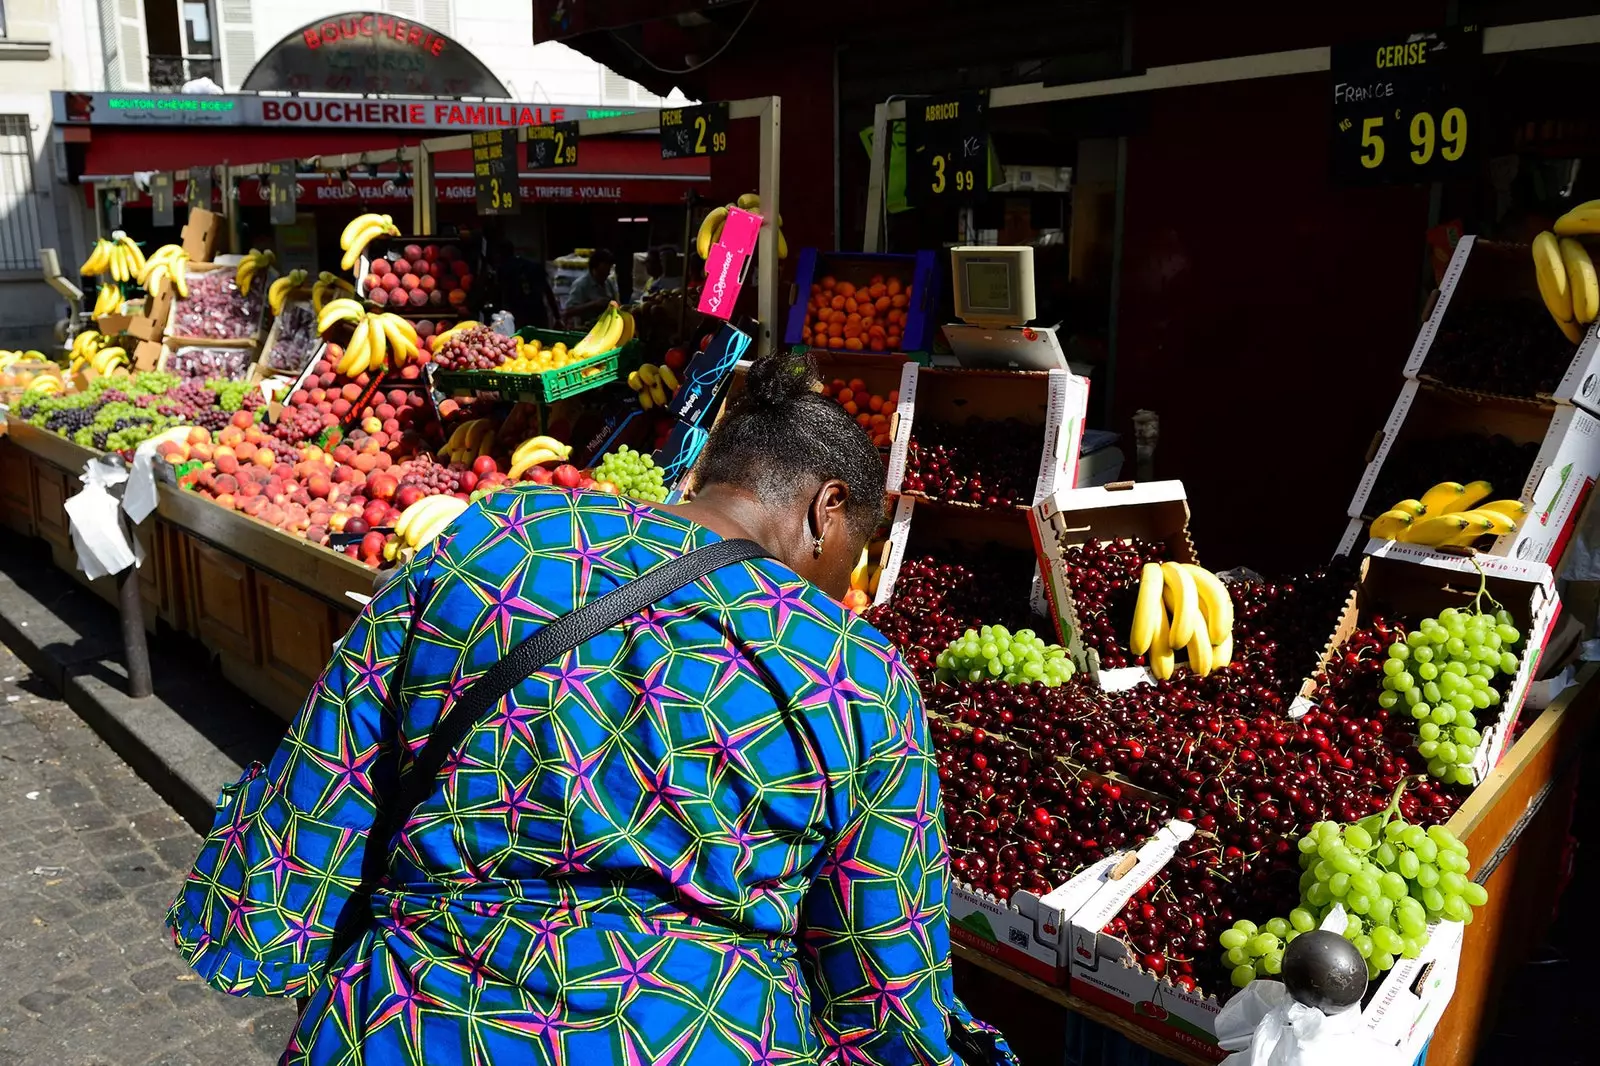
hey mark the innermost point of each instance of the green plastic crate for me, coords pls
(552, 385)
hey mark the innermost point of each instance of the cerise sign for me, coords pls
(366, 52)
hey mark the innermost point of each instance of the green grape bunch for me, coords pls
(1392, 878)
(997, 653)
(634, 473)
(1442, 673)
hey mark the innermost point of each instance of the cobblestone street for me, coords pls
(89, 859)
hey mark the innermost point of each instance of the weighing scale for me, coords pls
(992, 286)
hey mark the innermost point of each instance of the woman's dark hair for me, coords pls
(780, 435)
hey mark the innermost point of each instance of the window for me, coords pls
(19, 204)
(2, 18)
(196, 28)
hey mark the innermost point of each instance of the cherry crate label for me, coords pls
(555, 145)
(692, 131)
(494, 171)
(947, 148)
(1403, 108)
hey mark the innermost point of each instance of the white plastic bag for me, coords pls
(1265, 1026)
(102, 545)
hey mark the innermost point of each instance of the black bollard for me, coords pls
(135, 652)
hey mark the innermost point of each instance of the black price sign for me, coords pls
(200, 179)
(555, 145)
(947, 148)
(692, 131)
(494, 171)
(1403, 108)
(114, 209)
(282, 189)
(161, 199)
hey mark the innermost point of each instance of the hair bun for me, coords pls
(779, 379)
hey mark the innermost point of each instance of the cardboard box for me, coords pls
(1106, 972)
(1555, 488)
(955, 530)
(917, 271)
(1054, 400)
(152, 322)
(301, 299)
(728, 263)
(148, 355)
(1496, 270)
(1155, 510)
(202, 235)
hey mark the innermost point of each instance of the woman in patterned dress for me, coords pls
(710, 835)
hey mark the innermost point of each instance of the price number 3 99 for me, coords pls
(498, 197)
(944, 177)
(1448, 137)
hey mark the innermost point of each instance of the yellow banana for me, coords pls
(99, 261)
(370, 220)
(1499, 522)
(1433, 532)
(1162, 657)
(710, 226)
(1550, 271)
(1442, 497)
(1391, 525)
(343, 309)
(1581, 281)
(668, 378)
(360, 349)
(1199, 647)
(1513, 509)
(1183, 600)
(1222, 654)
(1216, 606)
(1585, 218)
(1476, 526)
(135, 256)
(1471, 493)
(1145, 611)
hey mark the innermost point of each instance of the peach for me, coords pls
(371, 425)
(225, 500)
(436, 298)
(318, 395)
(340, 407)
(318, 486)
(391, 426)
(427, 284)
(255, 505)
(414, 252)
(244, 419)
(411, 372)
(391, 281)
(461, 268)
(366, 462)
(379, 297)
(380, 267)
(327, 380)
(418, 298)
(384, 411)
(199, 435)
(458, 298)
(372, 543)
(201, 451)
(409, 282)
(385, 460)
(245, 450)
(263, 458)
(371, 282)
(401, 266)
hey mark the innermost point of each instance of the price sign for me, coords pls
(282, 190)
(692, 131)
(161, 199)
(555, 145)
(1403, 108)
(114, 209)
(494, 171)
(199, 188)
(947, 148)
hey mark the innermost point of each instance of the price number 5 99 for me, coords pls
(962, 179)
(1425, 137)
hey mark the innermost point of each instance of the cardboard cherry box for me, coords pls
(1554, 488)
(1105, 971)
(1153, 510)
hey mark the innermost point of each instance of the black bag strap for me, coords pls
(552, 641)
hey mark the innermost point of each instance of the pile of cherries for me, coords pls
(1510, 346)
(1039, 783)
(980, 462)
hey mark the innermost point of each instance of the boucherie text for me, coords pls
(348, 29)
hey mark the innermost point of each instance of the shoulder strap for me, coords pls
(552, 641)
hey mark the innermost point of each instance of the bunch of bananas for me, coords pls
(469, 440)
(711, 227)
(360, 233)
(654, 384)
(254, 262)
(422, 521)
(170, 260)
(536, 450)
(84, 346)
(1449, 514)
(108, 359)
(278, 292)
(1567, 281)
(329, 287)
(1182, 605)
(49, 383)
(611, 330)
(108, 301)
(9, 359)
(534, 358)
(438, 340)
(379, 338)
(118, 256)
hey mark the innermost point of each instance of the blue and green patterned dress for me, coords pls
(711, 835)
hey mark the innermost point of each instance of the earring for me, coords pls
(816, 546)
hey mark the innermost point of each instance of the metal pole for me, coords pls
(135, 651)
(772, 302)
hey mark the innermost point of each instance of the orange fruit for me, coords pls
(838, 318)
(854, 344)
(805, 336)
(851, 331)
(909, 290)
(828, 282)
(893, 398)
(864, 421)
(897, 301)
(896, 317)
(836, 342)
(837, 384)
(845, 395)
(846, 289)
(875, 403)
(858, 384)
(892, 286)
(851, 409)
(877, 290)
(852, 319)
(837, 303)
(893, 340)
(851, 307)
(883, 303)
(835, 330)
(876, 343)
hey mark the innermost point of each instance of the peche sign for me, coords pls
(366, 52)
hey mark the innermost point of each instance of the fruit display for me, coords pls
(981, 462)
(110, 414)
(377, 340)
(872, 412)
(1014, 658)
(655, 385)
(1393, 879)
(710, 230)
(278, 292)
(1449, 514)
(418, 277)
(630, 473)
(254, 263)
(1504, 346)
(169, 261)
(1417, 461)
(294, 339)
(857, 318)
(360, 232)
(200, 361)
(470, 346)
(216, 309)
(117, 257)
(1181, 607)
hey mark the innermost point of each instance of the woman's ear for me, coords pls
(831, 566)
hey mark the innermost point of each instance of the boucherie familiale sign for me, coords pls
(368, 52)
(307, 112)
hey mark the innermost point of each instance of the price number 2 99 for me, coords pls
(1425, 135)
(962, 180)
